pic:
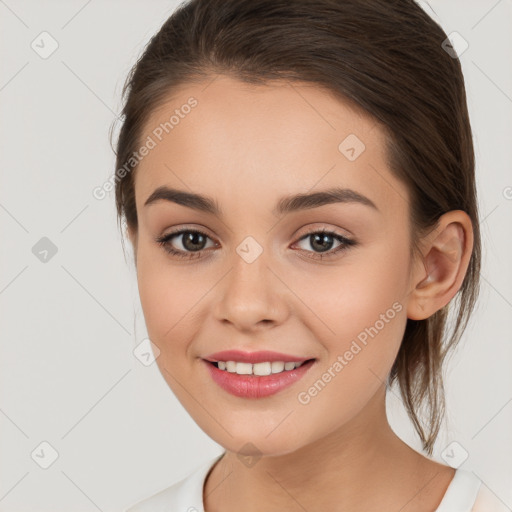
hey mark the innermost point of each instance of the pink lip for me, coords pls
(254, 357)
(256, 386)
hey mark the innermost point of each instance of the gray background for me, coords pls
(69, 324)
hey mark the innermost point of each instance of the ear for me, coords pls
(439, 273)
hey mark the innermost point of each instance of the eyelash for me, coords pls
(164, 241)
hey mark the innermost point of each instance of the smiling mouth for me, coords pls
(261, 369)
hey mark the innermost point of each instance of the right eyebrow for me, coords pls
(189, 199)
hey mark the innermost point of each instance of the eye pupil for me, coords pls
(321, 238)
(192, 237)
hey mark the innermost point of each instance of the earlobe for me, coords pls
(446, 255)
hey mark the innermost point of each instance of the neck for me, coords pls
(353, 468)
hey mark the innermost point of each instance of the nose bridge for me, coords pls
(250, 293)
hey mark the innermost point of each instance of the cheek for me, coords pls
(368, 298)
(167, 296)
(368, 331)
(369, 289)
(363, 315)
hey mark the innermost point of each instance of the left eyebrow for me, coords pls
(316, 199)
(285, 205)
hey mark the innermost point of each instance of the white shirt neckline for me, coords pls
(187, 494)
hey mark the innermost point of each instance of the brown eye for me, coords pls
(322, 241)
(192, 243)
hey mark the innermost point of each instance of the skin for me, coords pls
(247, 146)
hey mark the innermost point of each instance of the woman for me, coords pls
(297, 182)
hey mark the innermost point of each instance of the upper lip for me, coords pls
(254, 357)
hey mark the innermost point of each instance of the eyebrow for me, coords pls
(285, 205)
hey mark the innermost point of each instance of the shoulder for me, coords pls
(487, 501)
(185, 495)
(467, 493)
(461, 493)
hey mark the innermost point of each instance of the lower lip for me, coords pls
(257, 386)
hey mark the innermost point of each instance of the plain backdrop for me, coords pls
(69, 309)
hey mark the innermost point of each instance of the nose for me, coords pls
(251, 296)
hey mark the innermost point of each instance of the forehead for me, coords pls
(264, 140)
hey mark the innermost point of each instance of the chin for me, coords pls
(251, 443)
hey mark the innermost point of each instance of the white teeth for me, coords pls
(243, 368)
(231, 366)
(261, 369)
(277, 366)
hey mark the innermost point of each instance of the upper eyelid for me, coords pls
(314, 229)
(330, 231)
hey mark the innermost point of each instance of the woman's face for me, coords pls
(263, 277)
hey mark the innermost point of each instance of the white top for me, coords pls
(187, 494)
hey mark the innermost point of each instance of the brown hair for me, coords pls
(384, 57)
